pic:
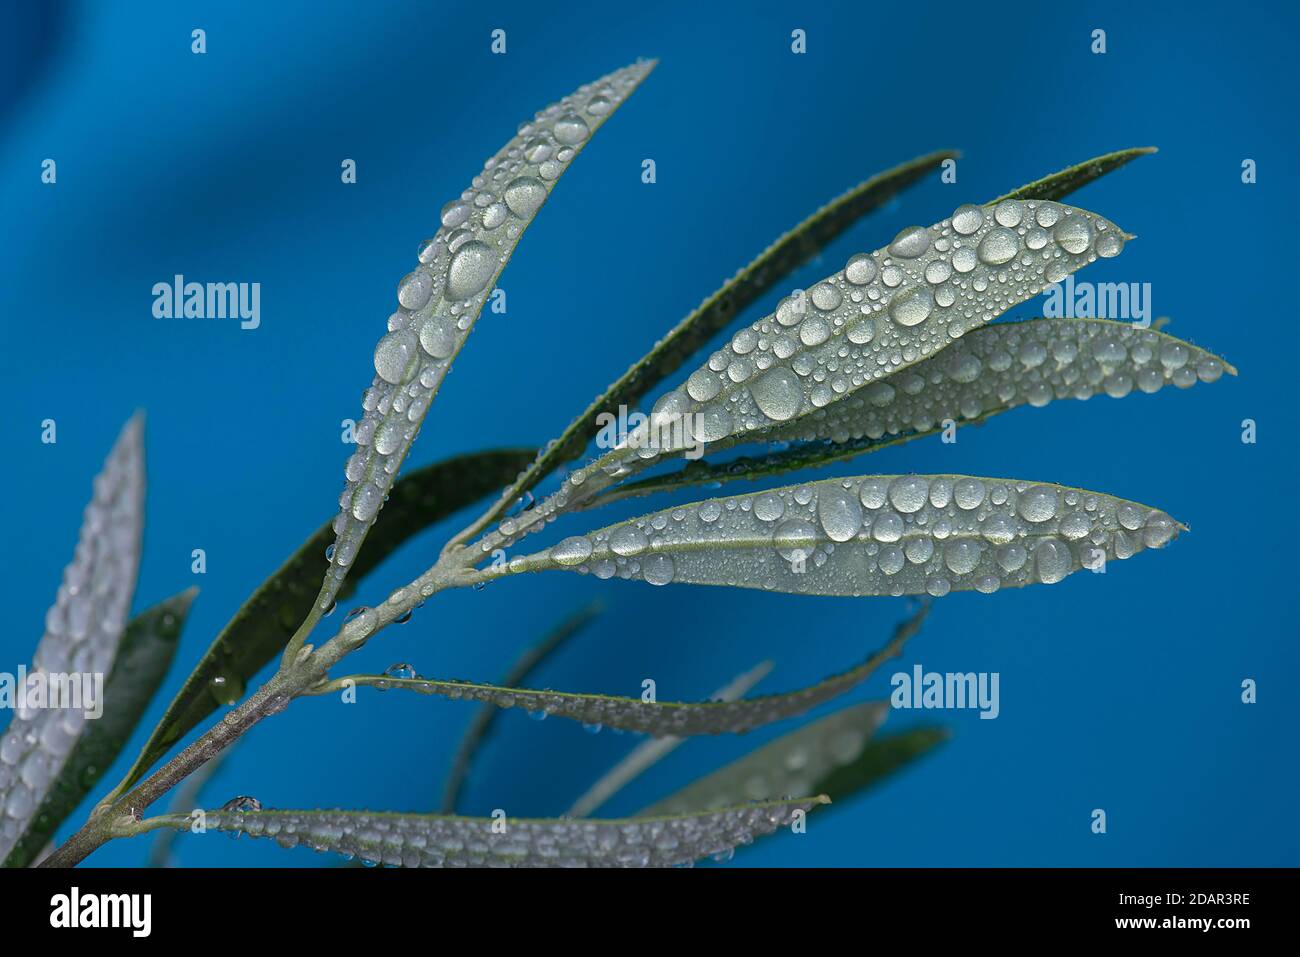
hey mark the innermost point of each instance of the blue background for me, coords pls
(1119, 692)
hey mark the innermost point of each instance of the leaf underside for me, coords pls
(83, 634)
(440, 301)
(658, 718)
(985, 373)
(414, 840)
(786, 254)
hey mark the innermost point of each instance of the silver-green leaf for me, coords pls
(439, 302)
(427, 840)
(83, 630)
(881, 313)
(870, 535)
(657, 718)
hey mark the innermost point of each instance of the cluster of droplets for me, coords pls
(790, 765)
(419, 841)
(82, 632)
(440, 300)
(1011, 364)
(878, 535)
(884, 311)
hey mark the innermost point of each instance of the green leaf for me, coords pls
(518, 673)
(882, 313)
(658, 718)
(879, 759)
(259, 630)
(83, 635)
(786, 765)
(869, 535)
(145, 654)
(427, 840)
(1065, 182)
(984, 373)
(787, 254)
(440, 301)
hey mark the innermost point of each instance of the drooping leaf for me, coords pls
(787, 254)
(986, 372)
(83, 633)
(145, 654)
(427, 840)
(260, 628)
(1075, 177)
(648, 753)
(872, 535)
(783, 766)
(882, 313)
(439, 302)
(518, 673)
(657, 718)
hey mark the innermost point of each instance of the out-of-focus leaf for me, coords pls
(146, 652)
(426, 840)
(518, 673)
(984, 373)
(80, 647)
(787, 254)
(648, 753)
(783, 766)
(259, 630)
(879, 759)
(1066, 181)
(439, 302)
(869, 535)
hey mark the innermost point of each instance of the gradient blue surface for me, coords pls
(1119, 692)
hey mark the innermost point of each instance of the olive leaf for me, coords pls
(839, 748)
(427, 840)
(781, 258)
(648, 753)
(882, 313)
(53, 708)
(259, 629)
(439, 302)
(986, 372)
(880, 758)
(518, 673)
(872, 535)
(657, 718)
(146, 652)
(1066, 181)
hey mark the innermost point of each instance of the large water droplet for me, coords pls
(470, 269)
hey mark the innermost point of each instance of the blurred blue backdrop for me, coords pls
(1119, 692)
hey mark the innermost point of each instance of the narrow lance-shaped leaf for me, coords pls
(981, 375)
(1066, 181)
(881, 758)
(146, 652)
(648, 753)
(881, 313)
(426, 840)
(83, 631)
(787, 254)
(872, 535)
(439, 302)
(839, 746)
(261, 627)
(658, 718)
(479, 728)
